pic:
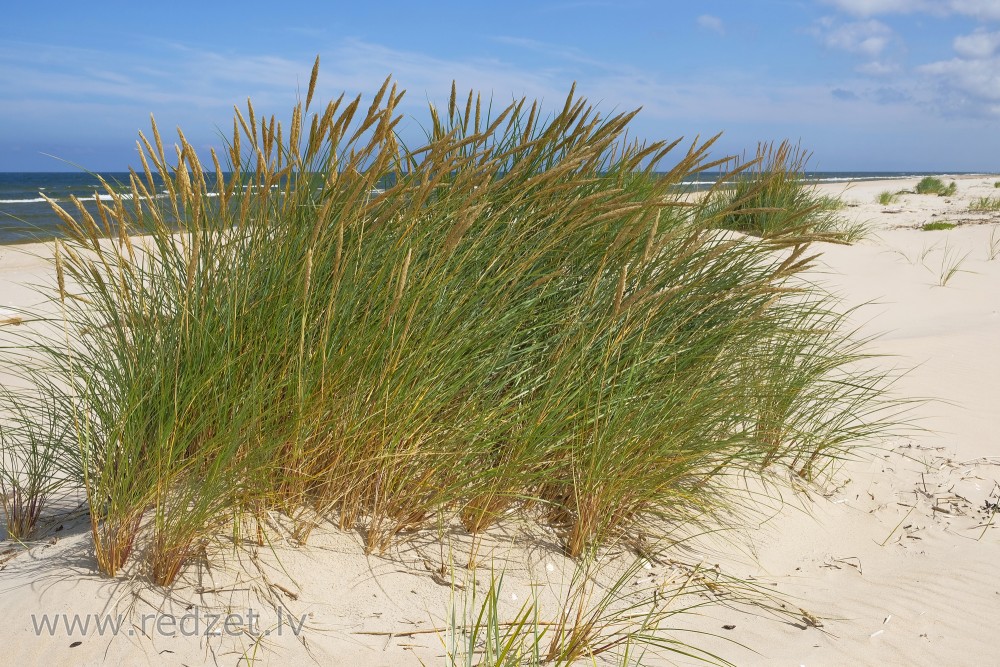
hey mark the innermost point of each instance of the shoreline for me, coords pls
(836, 188)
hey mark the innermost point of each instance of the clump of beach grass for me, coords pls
(940, 225)
(516, 316)
(932, 185)
(887, 197)
(985, 205)
(769, 197)
(36, 458)
(617, 618)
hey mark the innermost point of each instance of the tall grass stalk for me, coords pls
(951, 264)
(517, 315)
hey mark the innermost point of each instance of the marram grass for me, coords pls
(932, 185)
(517, 316)
(617, 620)
(985, 204)
(769, 197)
(36, 456)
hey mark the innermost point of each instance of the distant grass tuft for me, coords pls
(937, 226)
(886, 197)
(931, 185)
(769, 197)
(985, 204)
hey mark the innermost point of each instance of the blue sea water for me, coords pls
(25, 216)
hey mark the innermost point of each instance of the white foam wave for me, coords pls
(105, 197)
(22, 201)
(124, 195)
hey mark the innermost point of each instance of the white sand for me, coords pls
(893, 556)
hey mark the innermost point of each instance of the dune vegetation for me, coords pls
(985, 204)
(937, 226)
(524, 316)
(932, 185)
(768, 196)
(887, 197)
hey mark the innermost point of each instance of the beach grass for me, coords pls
(887, 197)
(37, 461)
(616, 618)
(985, 204)
(768, 196)
(932, 185)
(951, 264)
(937, 226)
(515, 317)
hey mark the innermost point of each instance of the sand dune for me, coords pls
(893, 562)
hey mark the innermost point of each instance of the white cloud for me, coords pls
(868, 38)
(969, 83)
(552, 52)
(970, 86)
(713, 23)
(983, 10)
(978, 45)
(875, 7)
(878, 68)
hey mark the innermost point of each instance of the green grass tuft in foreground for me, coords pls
(520, 319)
(612, 622)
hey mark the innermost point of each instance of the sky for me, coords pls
(866, 85)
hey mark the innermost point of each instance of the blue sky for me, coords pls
(864, 84)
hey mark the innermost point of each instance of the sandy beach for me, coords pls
(891, 562)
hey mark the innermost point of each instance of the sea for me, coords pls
(25, 216)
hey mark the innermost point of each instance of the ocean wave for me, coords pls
(845, 179)
(102, 197)
(123, 195)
